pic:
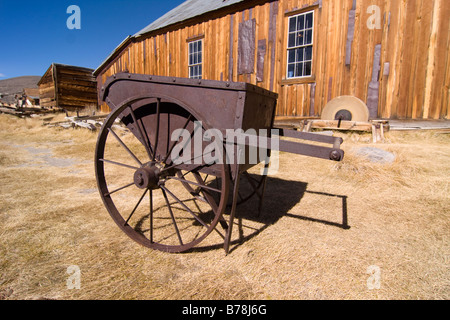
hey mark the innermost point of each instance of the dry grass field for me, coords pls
(349, 230)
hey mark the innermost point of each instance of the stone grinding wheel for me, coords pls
(347, 108)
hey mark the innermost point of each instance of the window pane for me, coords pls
(199, 46)
(309, 20)
(307, 71)
(291, 40)
(199, 57)
(200, 71)
(299, 70)
(301, 23)
(291, 56)
(292, 24)
(300, 55)
(308, 53)
(291, 69)
(300, 37)
(308, 39)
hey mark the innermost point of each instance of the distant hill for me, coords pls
(9, 87)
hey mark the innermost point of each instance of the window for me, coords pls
(300, 45)
(195, 59)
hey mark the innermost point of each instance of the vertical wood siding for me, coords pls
(68, 87)
(404, 60)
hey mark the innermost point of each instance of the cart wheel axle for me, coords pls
(147, 177)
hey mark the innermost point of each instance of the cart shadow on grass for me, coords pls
(280, 197)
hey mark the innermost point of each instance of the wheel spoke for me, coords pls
(185, 207)
(189, 161)
(208, 196)
(172, 216)
(124, 146)
(118, 189)
(176, 141)
(147, 147)
(203, 186)
(210, 200)
(136, 206)
(192, 170)
(145, 133)
(119, 164)
(158, 114)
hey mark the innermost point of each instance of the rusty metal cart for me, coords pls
(172, 205)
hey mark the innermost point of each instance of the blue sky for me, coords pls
(34, 34)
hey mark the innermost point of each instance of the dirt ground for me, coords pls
(350, 230)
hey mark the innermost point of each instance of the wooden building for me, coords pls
(67, 87)
(391, 54)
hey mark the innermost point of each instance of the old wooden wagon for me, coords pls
(172, 205)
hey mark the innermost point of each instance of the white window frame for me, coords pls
(195, 59)
(300, 53)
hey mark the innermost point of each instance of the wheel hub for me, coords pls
(147, 177)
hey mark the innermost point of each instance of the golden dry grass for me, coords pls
(51, 217)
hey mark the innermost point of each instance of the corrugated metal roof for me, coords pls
(187, 10)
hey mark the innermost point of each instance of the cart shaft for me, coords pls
(274, 143)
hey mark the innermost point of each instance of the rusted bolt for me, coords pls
(335, 155)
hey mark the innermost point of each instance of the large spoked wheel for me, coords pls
(159, 190)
